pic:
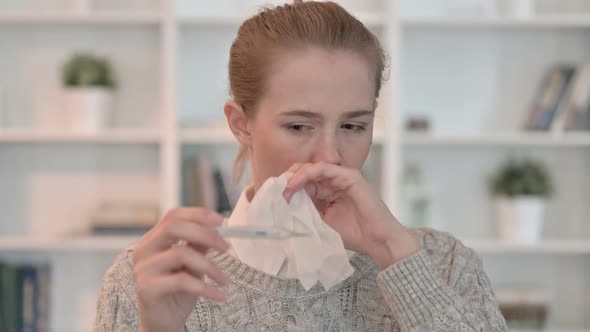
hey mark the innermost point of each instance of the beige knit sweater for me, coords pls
(441, 288)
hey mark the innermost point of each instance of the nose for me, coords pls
(328, 150)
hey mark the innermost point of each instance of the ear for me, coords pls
(237, 122)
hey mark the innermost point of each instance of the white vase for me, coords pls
(88, 109)
(520, 219)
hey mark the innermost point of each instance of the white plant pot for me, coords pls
(88, 109)
(520, 219)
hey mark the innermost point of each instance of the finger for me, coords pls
(295, 167)
(195, 214)
(340, 178)
(199, 248)
(167, 234)
(181, 282)
(177, 258)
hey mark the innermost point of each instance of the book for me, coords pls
(9, 296)
(44, 288)
(203, 185)
(24, 298)
(523, 307)
(28, 285)
(223, 204)
(207, 185)
(577, 100)
(549, 97)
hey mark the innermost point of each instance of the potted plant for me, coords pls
(520, 189)
(89, 89)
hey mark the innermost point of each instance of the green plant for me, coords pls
(521, 178)
(87, 70)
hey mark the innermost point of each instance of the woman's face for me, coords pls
(318, 106)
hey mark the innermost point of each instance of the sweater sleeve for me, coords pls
(441, 288)
(116, 308)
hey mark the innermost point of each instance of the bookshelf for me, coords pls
(472, 75)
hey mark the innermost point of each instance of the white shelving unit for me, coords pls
(474, 77)
(471, 75)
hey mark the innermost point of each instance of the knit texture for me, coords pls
(441, 288)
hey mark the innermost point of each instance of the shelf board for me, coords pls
(74, 18)
(553, 21)
(67, 244)
(552, 247)
(552, 330)
(207, 136)
(224, 136)
(513, 139)
(235, 19)
(110, 136)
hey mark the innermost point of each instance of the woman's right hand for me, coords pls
(169, 277)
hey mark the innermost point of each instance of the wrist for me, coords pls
(396, 248)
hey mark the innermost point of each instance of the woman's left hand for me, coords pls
(349, 205)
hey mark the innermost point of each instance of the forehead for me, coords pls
(319, 80)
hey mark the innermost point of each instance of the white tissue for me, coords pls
(320, 257)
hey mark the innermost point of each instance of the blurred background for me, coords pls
(111, 113)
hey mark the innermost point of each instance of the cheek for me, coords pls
(277, 151)
(354, 151)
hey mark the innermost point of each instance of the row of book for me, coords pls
(562, 101)
(24, 298)
(524, 308)
(204, 184)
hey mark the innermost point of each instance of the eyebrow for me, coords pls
(316, 115)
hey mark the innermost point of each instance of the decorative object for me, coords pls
(520, 189)
(516, 8)
(524, 308)
(417, 205)
(124, 218)
(418, 123)
(89, 85)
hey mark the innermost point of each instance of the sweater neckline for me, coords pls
(247, 276)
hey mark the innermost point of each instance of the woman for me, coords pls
(305, 80)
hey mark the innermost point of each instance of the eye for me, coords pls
(298, 127)
(354, 127)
